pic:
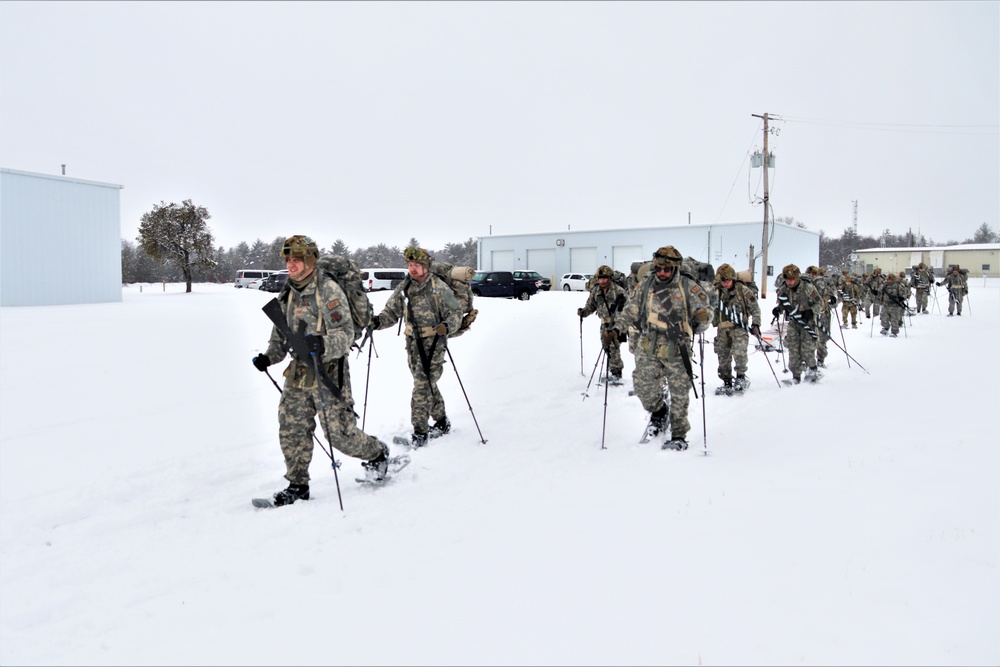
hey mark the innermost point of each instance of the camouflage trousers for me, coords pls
(615, 363)
(731, 345)
(850, 309)
(892, 318)
(921, 300)
(653, 367)
(801, 348)
(955, 298)
(822, 335)
(426, 401)
(297, 413)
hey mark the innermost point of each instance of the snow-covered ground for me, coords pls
(856, 521)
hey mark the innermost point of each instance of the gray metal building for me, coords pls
(555, 253)
(60, 240)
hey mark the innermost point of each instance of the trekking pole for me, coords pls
(333, 461)
(368, 374)
(871, 332)
(482, 440)
(781, 340)
(604, 424)
(581, 349)
(841, 327)
(760, 340)
(701, 362)
(600, 355)
(968, 301)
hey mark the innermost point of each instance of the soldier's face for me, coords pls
(728, 284)
(296, 268)
(417, 271)
(664, 272)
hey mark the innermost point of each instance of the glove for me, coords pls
(608, 336)
(441, 329)
(579, 312)
(755, 330)
(701, 315)
(315, 344)
(376, 324)
(833, 301)
(622, 336)
(807, 315)
(261, 362)
(777, 311)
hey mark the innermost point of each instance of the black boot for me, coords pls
(418, 439)
(375, 470)
(291, 494)
(658, 421)
(441, 427)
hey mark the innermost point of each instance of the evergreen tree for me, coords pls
(179, 236)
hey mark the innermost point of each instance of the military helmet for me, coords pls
(890, 276)
(921, 266)
(791, 272)
(667, 256)
(299, 246)
(725, 272)
(418, 255)
(813, 270)
(604, 271)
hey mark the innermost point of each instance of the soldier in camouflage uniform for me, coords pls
(318, 304)
(668, 309)
(922, 280)
(607, 300)
(958, 287)
(850, 294)
(866, 295)
(639, 271)
(798, 300)
(894, 296)
(736, 311)
(875, 285)
(828, 294)
(431, 311)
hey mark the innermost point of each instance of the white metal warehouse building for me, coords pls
(981, 259)
(60, 240)
(555, 253)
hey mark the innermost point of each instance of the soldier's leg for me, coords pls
(296, 425)
(741, 341)
(723, 350)
(680, 389)
(794, 347)
(615, 363)
(420, 399)
(340, 424)
(436, 408)
(647, 380)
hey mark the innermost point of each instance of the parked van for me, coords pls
(380, 279)
(246, 276)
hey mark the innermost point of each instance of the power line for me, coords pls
(898, 127)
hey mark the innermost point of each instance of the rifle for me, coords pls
(296, 342)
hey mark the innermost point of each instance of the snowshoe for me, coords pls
(676, 444)
(285, 497)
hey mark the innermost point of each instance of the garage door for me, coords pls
(502, 260)
(542, 260)
(622, 257)
(583, 260)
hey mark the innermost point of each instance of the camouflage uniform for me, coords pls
(799, 302)
(875, 285)
(321, 305)
(423, 306)
(894, 296)
(607, 302)
(639, 271)
(850, 294)
(958, 287)
(667, 312)
(827, 290)
(923, 278)
(866, 295)
(736, 311)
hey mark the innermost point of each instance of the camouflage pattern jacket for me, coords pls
(895, 294)
(803, 296)
(736, 307)
(827, 288)
(322, 306)
(851, 293)
(954, 282)
(922, 279)
(671, 310)
(608, 305)
(876, 283)
(422, 306)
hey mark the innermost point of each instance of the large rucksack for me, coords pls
(457, 278)
(746, 278)
(345, 271)
(701, 272)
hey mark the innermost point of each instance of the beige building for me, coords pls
(981, 259)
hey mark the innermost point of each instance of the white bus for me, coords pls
(380, 279)
(246, 276)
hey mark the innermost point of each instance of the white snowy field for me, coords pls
(853, 522)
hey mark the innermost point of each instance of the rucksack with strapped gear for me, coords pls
(701, 272)
(457, 278)
(348, 276)
(746, 278)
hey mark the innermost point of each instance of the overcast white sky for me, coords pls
(375, 122)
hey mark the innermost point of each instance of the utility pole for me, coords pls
(763, 244)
